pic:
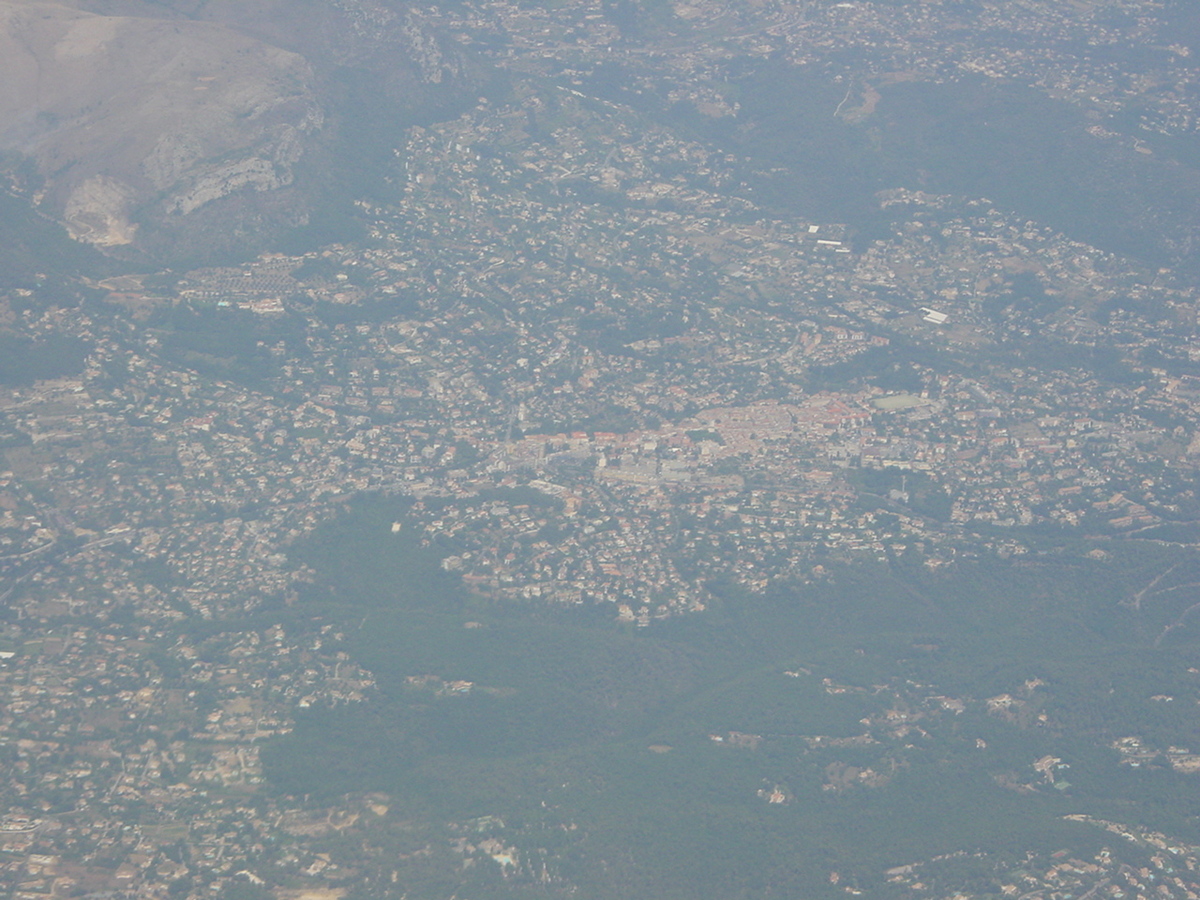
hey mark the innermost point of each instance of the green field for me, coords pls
(897, 401)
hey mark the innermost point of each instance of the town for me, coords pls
(608, 376)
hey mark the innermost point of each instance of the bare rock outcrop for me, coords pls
(189, 128)
(137, 119)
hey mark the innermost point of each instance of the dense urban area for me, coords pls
(605, 371)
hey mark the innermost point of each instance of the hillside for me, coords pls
(157, 127)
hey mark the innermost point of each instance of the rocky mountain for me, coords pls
(191, 130)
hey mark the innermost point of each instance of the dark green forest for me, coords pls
(566, 704)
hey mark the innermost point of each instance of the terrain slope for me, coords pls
(184, 130)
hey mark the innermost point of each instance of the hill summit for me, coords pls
(193, 129)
